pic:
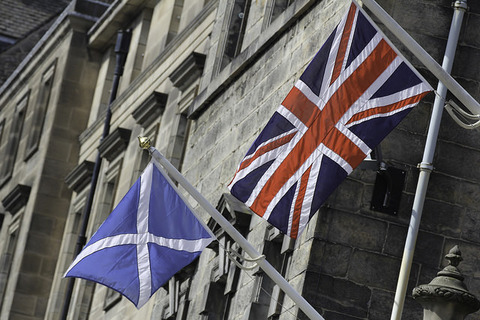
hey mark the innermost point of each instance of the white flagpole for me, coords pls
(423, 56)
(426, 167)
(252, 252)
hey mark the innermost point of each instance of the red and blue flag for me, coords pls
(354, 92)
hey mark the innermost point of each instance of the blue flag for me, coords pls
(148, 237)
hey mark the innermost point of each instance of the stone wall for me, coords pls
(356, 252)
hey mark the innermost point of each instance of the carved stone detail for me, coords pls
(446, 296)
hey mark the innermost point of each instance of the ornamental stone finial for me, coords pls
(446, 297)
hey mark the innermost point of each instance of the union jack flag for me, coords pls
(354, 92)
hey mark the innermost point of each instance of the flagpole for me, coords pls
(236, 236)
(426, 166)
(451, 84)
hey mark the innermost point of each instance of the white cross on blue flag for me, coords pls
(148, 237)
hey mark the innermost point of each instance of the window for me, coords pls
(234, 32)
(277, 295)
(274, 8)
(175, 21)
(178, 287)
(40, 112)
(2, 125)
(83, 294)
(103, 86)
(220, 292)
(10, 152)
(7, 256)
(267, 296)
(106, 206)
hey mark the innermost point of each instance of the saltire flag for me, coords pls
(354, 92)
(149, 236)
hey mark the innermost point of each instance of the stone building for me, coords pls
(201, 80)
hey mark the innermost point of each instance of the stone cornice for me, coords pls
(114, 144)
(150, 109)
(81, 176)
(17, 198)
(188, 71)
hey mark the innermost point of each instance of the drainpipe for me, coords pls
(121, 51)
(426, 166)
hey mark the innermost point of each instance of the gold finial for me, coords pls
(144, 142)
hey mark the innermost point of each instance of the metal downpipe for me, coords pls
(426, 166)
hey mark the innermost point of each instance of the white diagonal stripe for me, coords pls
(143, 255)
(136, 239)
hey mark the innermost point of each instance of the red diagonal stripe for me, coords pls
(298, 104)
(299, 203)
(344, 147)
(266, 148)
(342, 48)
(388, 108)
(339, 103)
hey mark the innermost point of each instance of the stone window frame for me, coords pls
(107, 203)
(83, 291)
(15, 135)
(225, 53)
(139, 29)
(14, 203)
(40, 112)
(273, 9)
(174, 26)
(106, 83)
(176, 301)
(2, 126)
(8, 253)
(108, 192)
(277, 295)
(141, 45)
(186, 79)
(267, 297)
(2, 146)
(224, 279)
(79, 180)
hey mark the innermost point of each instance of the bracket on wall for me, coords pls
(387, 190)
(389, 183)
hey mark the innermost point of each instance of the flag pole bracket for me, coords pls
(234, 255)
(425, 166)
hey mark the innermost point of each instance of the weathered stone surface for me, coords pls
(329, 258)
(356, 230)
(429, 245)
(375, 270)
(341, 295)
